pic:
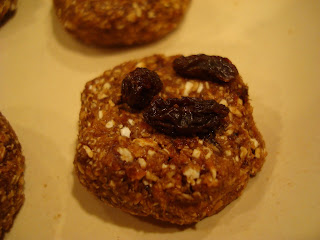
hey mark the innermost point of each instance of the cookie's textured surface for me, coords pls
(129, 165)
(7, 7)
(11, 176)
(121, 22)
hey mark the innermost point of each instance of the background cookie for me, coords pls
(6, 8)
(11, 176)
(130, 165)
(122, 22)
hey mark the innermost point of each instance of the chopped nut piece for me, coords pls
(187, 88)
(142, 162)
(111, 103)
(187, 196)
(255, 142)
(243, 152)
(166, 150)
(137, 9)
(151, 14)
(110, 124)
(235, 111)
(151, 176)
(131, 122)
(80, 168)
(151, 152)
(125, 132)
(111, 184)
(196, 153)
(191, 175)
(142, 142)
(106, 85)
(140, 65)
(100, 114)
(88, 151)
(173, 167)
(214, 173)
(125, 154)
(169, 185)
(102, 96)
(257, 153)
(164, 166)
(224, 102)
(229, 132)
(240, 102)
(2, 152)
(208, 155)
(200, 88)
(228, 153)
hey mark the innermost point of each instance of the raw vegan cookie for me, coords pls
(121, 22)
(7, 8)
(175, 172)
(11, 176)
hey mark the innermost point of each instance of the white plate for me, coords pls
(276, 47)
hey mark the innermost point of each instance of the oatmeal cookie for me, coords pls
(121, 22)
(130, 163)
(11, 176)
(7, 8)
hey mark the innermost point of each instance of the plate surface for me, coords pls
(274, 44)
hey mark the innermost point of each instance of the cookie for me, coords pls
(11, 176)
(121, 22)
(149, 164)
(7, 8)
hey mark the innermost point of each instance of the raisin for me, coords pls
(204, 67)
(185, 116)
(139, 87)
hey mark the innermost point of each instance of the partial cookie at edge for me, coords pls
(11, 176)
(122, 22)
(7, 8)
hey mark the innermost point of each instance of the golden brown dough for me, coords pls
(129, 165)
(121, 22)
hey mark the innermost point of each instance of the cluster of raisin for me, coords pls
(179, 116)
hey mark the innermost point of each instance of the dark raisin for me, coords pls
(185, 116)
(205, 67)
(139, 87)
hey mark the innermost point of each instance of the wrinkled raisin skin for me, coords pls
(204, 67)
(185, 116)
(139, 87)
